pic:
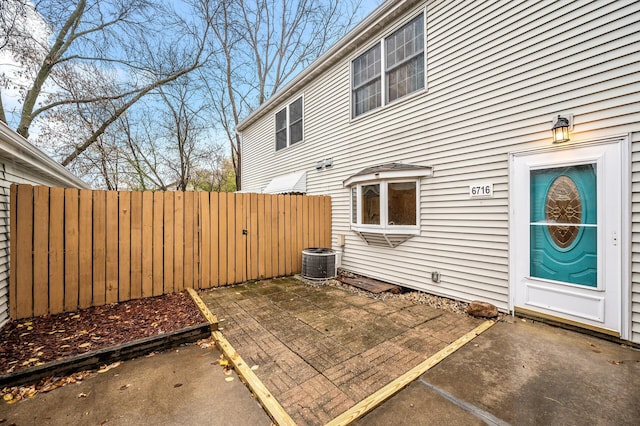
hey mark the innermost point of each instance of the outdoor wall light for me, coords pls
(560, 130)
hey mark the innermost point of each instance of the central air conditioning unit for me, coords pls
(318, 263)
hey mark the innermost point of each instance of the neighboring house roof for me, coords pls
(19, 150)
(347, 45)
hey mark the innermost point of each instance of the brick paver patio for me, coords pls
(320, 349)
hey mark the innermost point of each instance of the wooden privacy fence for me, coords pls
(75, 248)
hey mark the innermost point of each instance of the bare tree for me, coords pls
(125, 40)
(262, 44)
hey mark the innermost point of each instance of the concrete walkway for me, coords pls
(179, 387)
(523, 373)
(319, 349)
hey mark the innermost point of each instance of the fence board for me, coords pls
(99, 246)
(328, 223)
(196, 241)
(213, 229)
(85, 246)
(169, 222)
(178, 263)
(147, 244)
(71, 244)
(136, 245)
(40, 250)
(223, 222)
(281, 235)
(24, 248)
(306, 235)
(231, 238)
(124, 246)
(287, 234)
(299, 232)
(56, 249)
(275, 252)
(79, 248)
(241, 239)
(111, 295)
(253, 238)
(188, 239)
(260, 230)
(205, 241)
(158, 249)
(268, 230)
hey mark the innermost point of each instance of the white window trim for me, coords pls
(383, 69)
(384, 227)
(288, 125)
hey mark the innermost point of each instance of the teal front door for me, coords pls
(565, 226)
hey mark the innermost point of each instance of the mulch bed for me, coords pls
(36, 341)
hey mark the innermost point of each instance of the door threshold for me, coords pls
(593, 330)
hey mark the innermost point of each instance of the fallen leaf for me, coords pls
(223, 362)
(7, 397)
(106, 368)
(124, 387)
(82, 395)
(177, 385)
(255, 367)
(615, 362)
(84, 345)
(229, 379)
(76, 316)
(65, 346)
(28, 323)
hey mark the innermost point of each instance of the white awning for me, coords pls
(293, 182)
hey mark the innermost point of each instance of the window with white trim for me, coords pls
(401, 56)
(385, 206)
(289, 124)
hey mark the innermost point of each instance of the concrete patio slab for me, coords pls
(320, 350)
(186, 386)
(523, 373)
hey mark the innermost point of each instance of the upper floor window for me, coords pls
(289, 122)
(401, 56)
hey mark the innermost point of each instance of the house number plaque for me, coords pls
(481, 190)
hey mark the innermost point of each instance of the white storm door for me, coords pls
(566, 224)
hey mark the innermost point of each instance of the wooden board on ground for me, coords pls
(369, 284)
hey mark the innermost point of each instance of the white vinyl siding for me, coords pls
(4, 246)
(635, 237)
(494, 70)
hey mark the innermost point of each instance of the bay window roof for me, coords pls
(389, 171)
